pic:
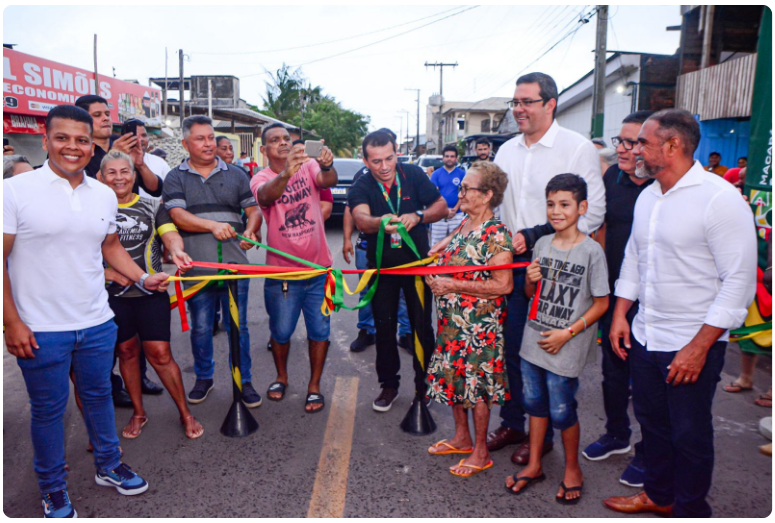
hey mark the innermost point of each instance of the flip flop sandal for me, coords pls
(562, 500)
(275, 388)
(736, 385)
(452, 450)
(315, 398)
(183, 422)
(476, 470)
(529, 481)
(129, 435)
(758, 401)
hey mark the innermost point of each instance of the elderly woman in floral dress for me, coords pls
(467, 369)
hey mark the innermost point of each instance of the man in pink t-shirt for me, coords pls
(288, 192)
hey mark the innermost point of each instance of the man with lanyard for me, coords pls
(97, 107)
(623, 184)
(366, 331)
(398, 192)
(58, 228)
(447, 179)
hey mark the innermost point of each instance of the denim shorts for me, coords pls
(548, 395)
(284, 308)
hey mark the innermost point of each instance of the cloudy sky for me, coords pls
(365, 56)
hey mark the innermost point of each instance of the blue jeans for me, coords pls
(90, 354)
(365, 316)
(548, 395)
(677, 427)
(512, 413)
(284, 308)
(202, 307)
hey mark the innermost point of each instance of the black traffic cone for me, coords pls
(239, 421)
(418, 420)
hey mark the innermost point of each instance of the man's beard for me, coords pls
(641, 171)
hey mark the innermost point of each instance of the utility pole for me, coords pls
(441, 67)
(598, 91)
(182, 103)
(407, 127)
(418, 116)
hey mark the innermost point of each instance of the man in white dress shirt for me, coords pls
(542, 151)
(691, 261)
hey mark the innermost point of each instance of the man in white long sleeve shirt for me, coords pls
(691, 261)
(542, 151)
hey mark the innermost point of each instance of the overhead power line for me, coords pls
(372, 43)
(403, 24)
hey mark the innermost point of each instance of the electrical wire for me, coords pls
(334, 41)
(570, 33)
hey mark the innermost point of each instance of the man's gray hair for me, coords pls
(117, 155)
(10, 161)
(191, 121)
(677, 122)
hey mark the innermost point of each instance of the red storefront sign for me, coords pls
(32, 86)
(22, 124)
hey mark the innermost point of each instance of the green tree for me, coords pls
(341, 128)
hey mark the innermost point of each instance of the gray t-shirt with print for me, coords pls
(564, 299)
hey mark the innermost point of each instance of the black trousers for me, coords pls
(384, 305)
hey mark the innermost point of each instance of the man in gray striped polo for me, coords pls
(205, 196)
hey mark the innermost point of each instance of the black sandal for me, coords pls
(315, 398)
(562, 500)
(529, 481)
(274, 388)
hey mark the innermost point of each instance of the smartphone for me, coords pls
(5, 142)
(313, 148)
(130, 126)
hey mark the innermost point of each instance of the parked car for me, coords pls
(404, 158)
(430, 162)
(346, 169)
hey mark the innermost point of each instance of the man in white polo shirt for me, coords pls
(58, 226)
(691, 262)
(542, 151)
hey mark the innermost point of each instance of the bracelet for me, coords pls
(585, 322)
(572, 334)
(327, 167)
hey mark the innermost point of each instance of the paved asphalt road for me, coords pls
(348, 460)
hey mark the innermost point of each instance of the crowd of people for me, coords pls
(88, 230)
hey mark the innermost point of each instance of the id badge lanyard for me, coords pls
(395, 238)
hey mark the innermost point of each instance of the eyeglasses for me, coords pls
(624, 142)
(463, 189)
(525, 103)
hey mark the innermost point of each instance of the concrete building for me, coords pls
(462, 119)
(634, 81)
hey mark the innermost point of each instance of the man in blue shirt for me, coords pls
(447, 179)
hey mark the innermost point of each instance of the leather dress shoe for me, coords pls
(121, 399)
(504, 436)
(635, 504)
(522, 455)
(151, 388)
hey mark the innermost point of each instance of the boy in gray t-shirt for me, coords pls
(568, 280)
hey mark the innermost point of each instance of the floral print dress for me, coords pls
(468, 365)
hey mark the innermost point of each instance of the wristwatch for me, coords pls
(327, 168)
(420, 214)
(142, 280)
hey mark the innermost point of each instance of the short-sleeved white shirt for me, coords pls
(55, 266)
(159, 167)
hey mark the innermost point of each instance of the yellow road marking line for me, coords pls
(330, 489)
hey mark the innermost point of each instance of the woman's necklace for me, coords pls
(558, 269)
